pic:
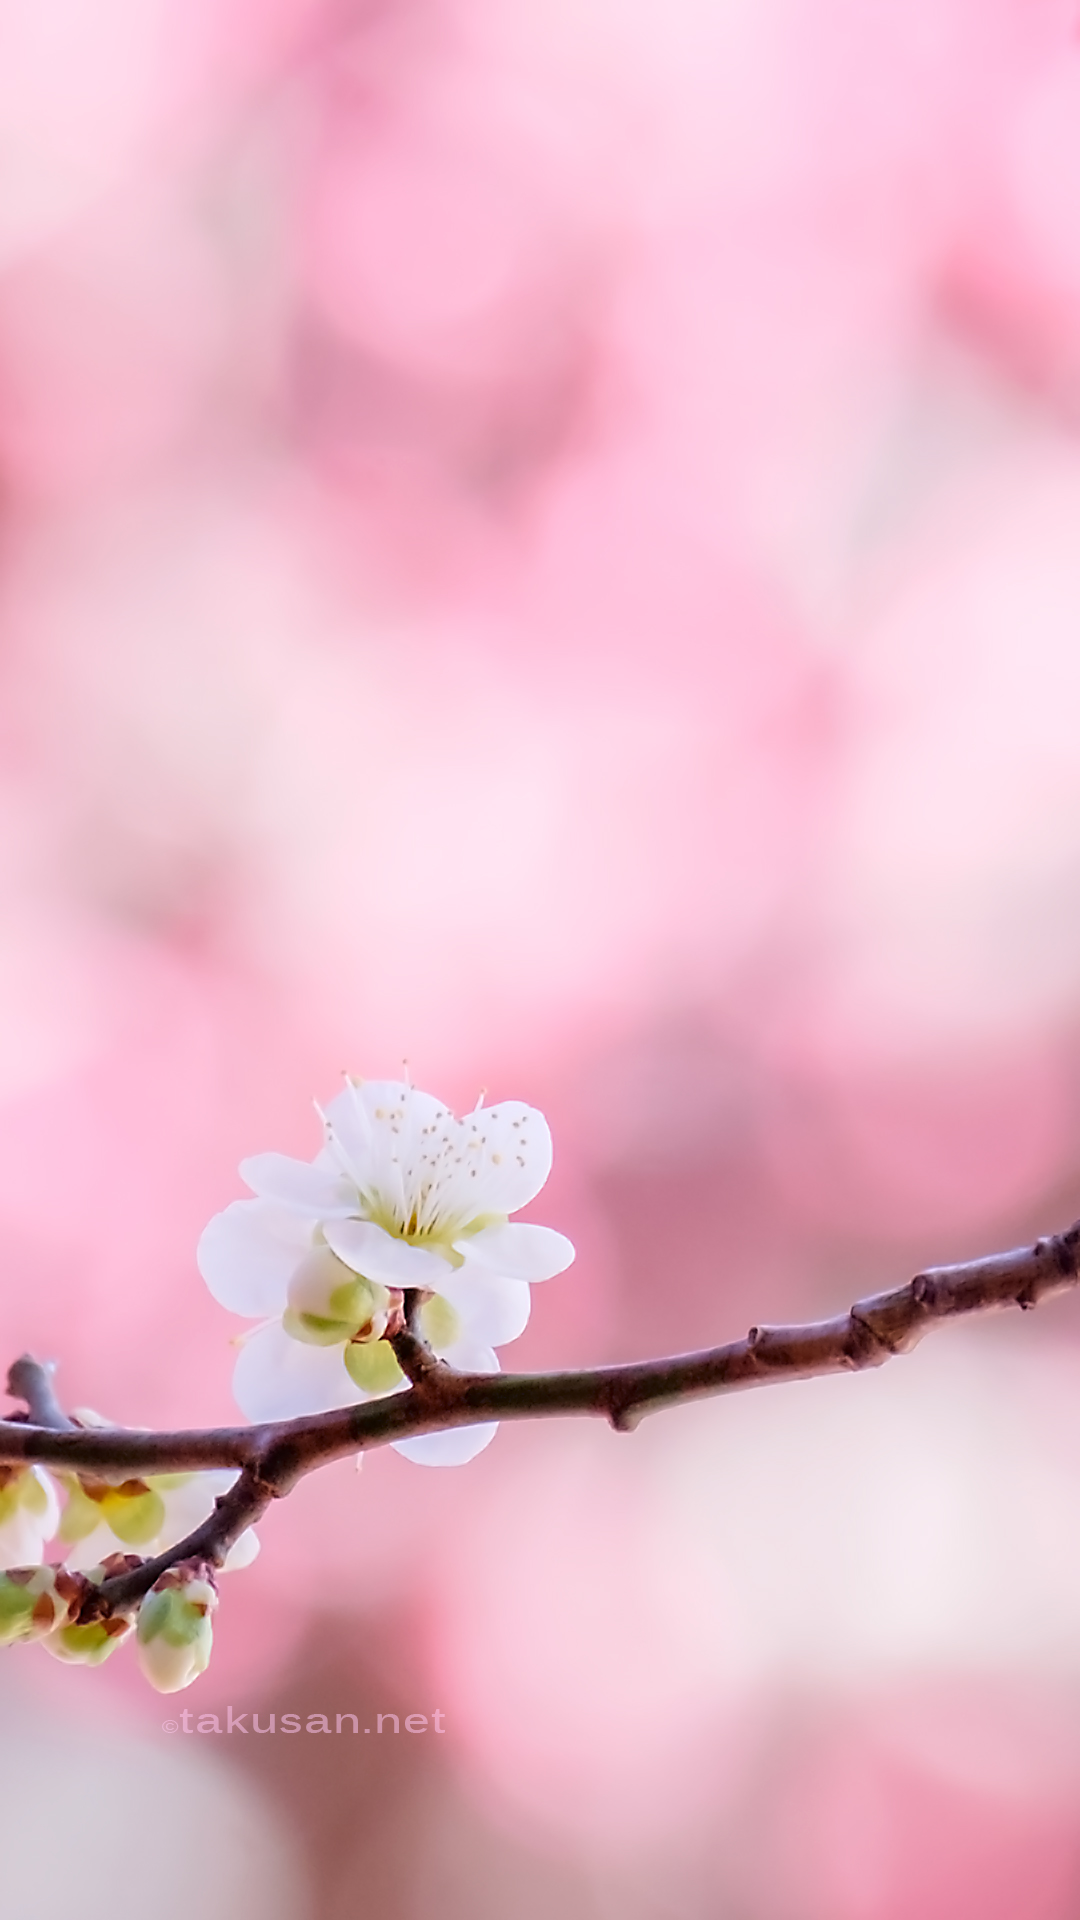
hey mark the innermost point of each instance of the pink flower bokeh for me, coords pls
(542, 541)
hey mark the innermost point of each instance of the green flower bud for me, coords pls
(175, 1632)
(89, 1645)
(329, 1303)
(35, 1601)
(372, 1366)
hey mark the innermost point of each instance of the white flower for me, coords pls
(402, 1195)
(148, 1515)
(175, 1631)
(29, 1514)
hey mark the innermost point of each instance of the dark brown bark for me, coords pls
(273, 1456)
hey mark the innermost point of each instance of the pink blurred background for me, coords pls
(544, 540)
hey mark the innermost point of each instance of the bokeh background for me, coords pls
(542, 538)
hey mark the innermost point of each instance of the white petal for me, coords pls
(188, 1506)
(21, 1541)
(517, 1251)
(374, 1131)
(277, 1378)
(385, 1135)
(242, 1552)
(472, 1356)
(84, 1554)
(248, 1254)
(310, 1186)
(502, 1158)
(370, 1250)
(453, 1446)
(491, 1310)
(47, 1522)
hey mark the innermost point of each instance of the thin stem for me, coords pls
(233, 1513)
(411, 1350)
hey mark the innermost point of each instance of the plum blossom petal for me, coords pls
(277, 1378)
(89, 1552)
(29, 1515)
(469, 1355)
(510, 1145)
(378, 1126)
(310, 1186)
(242, 1552)
(248, 1253)
(189, 1500)
(21, 1542)
(455, 1446)
(370, 1250)
(517, 1251)
(490, 1310)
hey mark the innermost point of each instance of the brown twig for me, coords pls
(273, 1456)
(32, 1380)
(233, 1513)
(411, 1350)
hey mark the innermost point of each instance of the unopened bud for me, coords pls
(329, 1303)
(175, 1633)
(89, 1643)
(35, 1601)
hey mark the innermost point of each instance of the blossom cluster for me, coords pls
(97, 1521)
(402, 1199)
(401, 1222)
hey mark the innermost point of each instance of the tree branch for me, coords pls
(273, 1456)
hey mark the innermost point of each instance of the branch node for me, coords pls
(872, 1347)
(1064, 1251)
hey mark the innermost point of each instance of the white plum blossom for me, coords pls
(402, 1195)
(147, 1516)
(29, 1514)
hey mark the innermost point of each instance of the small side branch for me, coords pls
(233, 1513)
(32, 1380)
(411, 1351)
